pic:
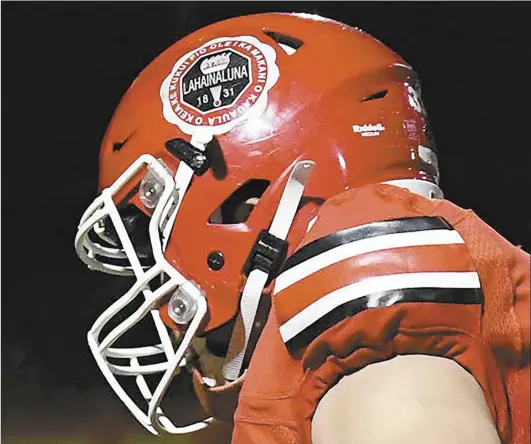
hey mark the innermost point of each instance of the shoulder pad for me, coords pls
(336, 275)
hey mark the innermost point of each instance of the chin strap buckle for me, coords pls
(268, 254)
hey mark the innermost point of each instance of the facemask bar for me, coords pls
(162, 220)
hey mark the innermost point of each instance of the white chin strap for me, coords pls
(103, 257)
(257, 279)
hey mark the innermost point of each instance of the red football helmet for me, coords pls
(213, 168)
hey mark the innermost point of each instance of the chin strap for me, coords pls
(264, 261)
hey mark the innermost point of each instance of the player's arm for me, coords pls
(408, 399)
(384, 308)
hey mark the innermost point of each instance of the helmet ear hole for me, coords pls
(237, 208)
(244, 209)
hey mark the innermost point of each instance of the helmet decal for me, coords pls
(219, 84)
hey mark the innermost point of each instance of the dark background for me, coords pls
(65, 67)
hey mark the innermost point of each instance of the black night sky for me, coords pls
(65, 66)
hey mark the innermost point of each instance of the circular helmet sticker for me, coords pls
(220, 84)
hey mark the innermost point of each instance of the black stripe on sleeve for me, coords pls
(403, 225)
(383, 299)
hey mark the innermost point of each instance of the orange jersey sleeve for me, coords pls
(383, 272)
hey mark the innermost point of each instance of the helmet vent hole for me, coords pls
(237, 208)
(288, 43)
(375, 96)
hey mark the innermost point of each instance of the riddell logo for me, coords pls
(368, 130)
